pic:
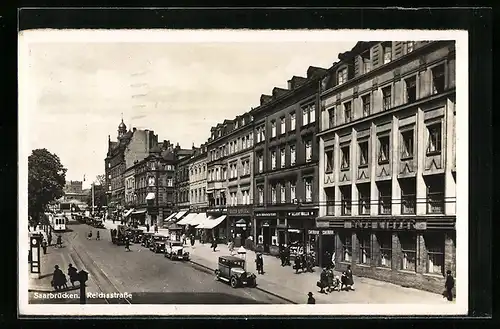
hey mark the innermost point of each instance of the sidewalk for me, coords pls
(283, 282)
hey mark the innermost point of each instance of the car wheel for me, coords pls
(234, 282)
(217, 275)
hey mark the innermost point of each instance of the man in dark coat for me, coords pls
(73, 274)
(310, 298)
(323, 280)
(127, 244)
(44, 246)
(297, 264)
(449, 285)
(259, 263)
(58, 278)
(214, 244)
(50, 239)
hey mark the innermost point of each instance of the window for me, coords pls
(408, 195)
(383, 155)
(408, 242)
(407, 144)
(260, 159)
(363, 153)
(292, 155)
(434, 143)
(260, 190)
(312, 113)
(346, 247)
(385, 242)
(331, 117)
(330, 201)
(328, 161)
(410, 46)
(366, 62)
(258, 135)
(434, 245)
(283, 193)
(387, 98)
(364, 248)
(347, 112)
(292, 191)
(438, 79)
(282, 158)
(282, 126)
(345, 199)
(364, 199)
(342, 76)
(273, 128)
(411, 89)
(170, 182)
(384, 197)
(273, 160)
(292, 121)
(308, 151)
(273, 194)
(305, 116)
(308, 188)
(366, 105)
(387, 49)
(345, 153)
(435, 194)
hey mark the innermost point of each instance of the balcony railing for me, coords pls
(435, 203)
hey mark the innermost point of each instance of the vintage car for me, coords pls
(232, 269)
(146, 237)
(137, 235)
(157, 243)
(175, 250)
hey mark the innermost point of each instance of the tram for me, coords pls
(58, 222)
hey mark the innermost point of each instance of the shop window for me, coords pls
(364, 199)
(434, 244)
(387, 98)
(346, 247)
(408, 242)
(407, 144)
(434, 142)
(364, 248)
(411, 89)
(435, 194)
(345, 197)
(384, 197)
(385, 242)
(383, 155)
(408, 195)
(329, 161)
(363, 153)
(438, 79)
(330, 201)
(346, 157)
(366, 99)
(347, 112)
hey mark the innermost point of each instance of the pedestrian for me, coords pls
(113, 219)
(323, 281)
(347, 279)
(259, 263)
(303, 262)
(309, 262)
(310, 298)
(59, 241)
(449, 285)
(156, 228)
(50, 239)
(192, 240)
(287, 256)
(44, 246)
(98, 236)
(147, 227)
(89, 236)
(327, 260)
(330, 279)
(73, 274)
(58, 279)
(230, 247)
(127, 244)
(333, 260)
(297, 265)
(214, 244)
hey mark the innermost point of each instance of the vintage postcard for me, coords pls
(177, 173)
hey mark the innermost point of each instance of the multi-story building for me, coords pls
(286, 163)
(73, 187)
(387, 162)
(239, 163)
(198, 180)
(182, 183)
(129, 182)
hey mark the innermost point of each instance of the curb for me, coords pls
(261, 289)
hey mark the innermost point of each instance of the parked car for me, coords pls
(232, 269)
(157, 243)
(137, 237)
(175, 250)
(145, 239)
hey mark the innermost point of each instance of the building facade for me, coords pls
(286, 164)
(239, 180)
(387, 162)
(198, 201)
(182, 188)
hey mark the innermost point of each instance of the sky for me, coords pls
(80, 90)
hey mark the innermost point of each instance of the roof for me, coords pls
(232, 258)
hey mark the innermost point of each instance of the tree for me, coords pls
(46, 180)
(100, 180)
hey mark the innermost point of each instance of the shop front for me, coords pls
(239, 224)
(293, 230)
(138, 217)
(214, 226)
(266, 231)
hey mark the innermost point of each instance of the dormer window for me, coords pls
(342, 76)
(366, 64)
(242, 121)
(387, 51)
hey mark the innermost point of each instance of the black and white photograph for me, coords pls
(210, 172)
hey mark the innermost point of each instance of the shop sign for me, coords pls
(322, 224)
(241, 225)
(347, 225)
(217, 210)
(265, 224)
(327, 232)
(398, 225)
(238, 211)
(266, 214)
(301, 213)
(313, 232)
(361, 224)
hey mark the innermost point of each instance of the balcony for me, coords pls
(215, 185)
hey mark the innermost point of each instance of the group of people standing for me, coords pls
(48, 243)
(59, 280)
(303, 262)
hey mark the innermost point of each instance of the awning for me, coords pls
(138, 212)
(186, 220)
(150, 196)
(128, 212)
(210, 223)
(170, 217)
(200, 218)
(180, 214)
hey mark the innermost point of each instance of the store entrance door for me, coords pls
(313, 247)
(266, 234)
(328, 246)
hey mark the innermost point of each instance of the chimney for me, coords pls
(290, 85)
(134, 129)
